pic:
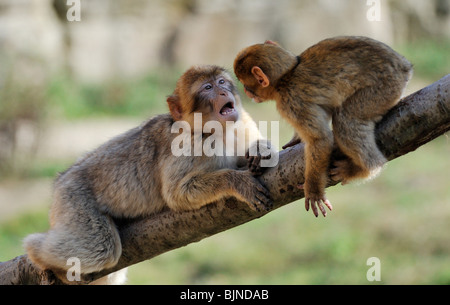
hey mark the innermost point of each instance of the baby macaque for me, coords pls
(350, 81)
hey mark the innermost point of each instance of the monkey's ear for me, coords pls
(175, 108)
(271, 42)
(260, 76)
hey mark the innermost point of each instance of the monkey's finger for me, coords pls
(335, 178)
(307, 204)
(291, 143)
(251, 166)
(262, 197)
(256, 208)
(334, 171)
(266, 203)
(328, 204)
(263, 202)
(322, 209)
(262, 189)
(257, 160)
(314, 208)
(257, 172)
(253, 206)
(256, 163)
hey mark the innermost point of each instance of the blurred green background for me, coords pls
(67, 87)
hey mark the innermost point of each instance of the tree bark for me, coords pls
(416, 120)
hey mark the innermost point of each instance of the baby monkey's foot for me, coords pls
(260, 150)
(254, 164)
(316, 200)
(342, 171)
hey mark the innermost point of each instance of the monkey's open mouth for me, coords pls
(227, 108)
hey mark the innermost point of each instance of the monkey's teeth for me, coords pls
(227, 111)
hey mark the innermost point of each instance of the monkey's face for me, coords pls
(215, 98)
(255, 91)
(251, 93)
(208, 90)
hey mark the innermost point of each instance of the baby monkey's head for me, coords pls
(260, 66)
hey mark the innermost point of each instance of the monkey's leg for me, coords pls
(311, 123)
(317, 159)
(353, 127)
(357, 140)
(79, 231)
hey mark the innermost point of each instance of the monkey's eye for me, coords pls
(208, 87)
(221, 81)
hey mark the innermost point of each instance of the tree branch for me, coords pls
(416, 120)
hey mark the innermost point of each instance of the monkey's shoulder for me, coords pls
(157, 124)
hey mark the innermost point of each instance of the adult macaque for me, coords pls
(136, 174)
(352, 81)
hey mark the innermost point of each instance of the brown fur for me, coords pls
(136, 174)
(352, 81)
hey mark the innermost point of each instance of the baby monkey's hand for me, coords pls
(260, 150)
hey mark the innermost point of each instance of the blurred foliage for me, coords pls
(133, 97)
(22, 98)
(117, 97)
(431, 59)
(13, 232)
(45, 169)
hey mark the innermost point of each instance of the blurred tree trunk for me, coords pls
(416, 120)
